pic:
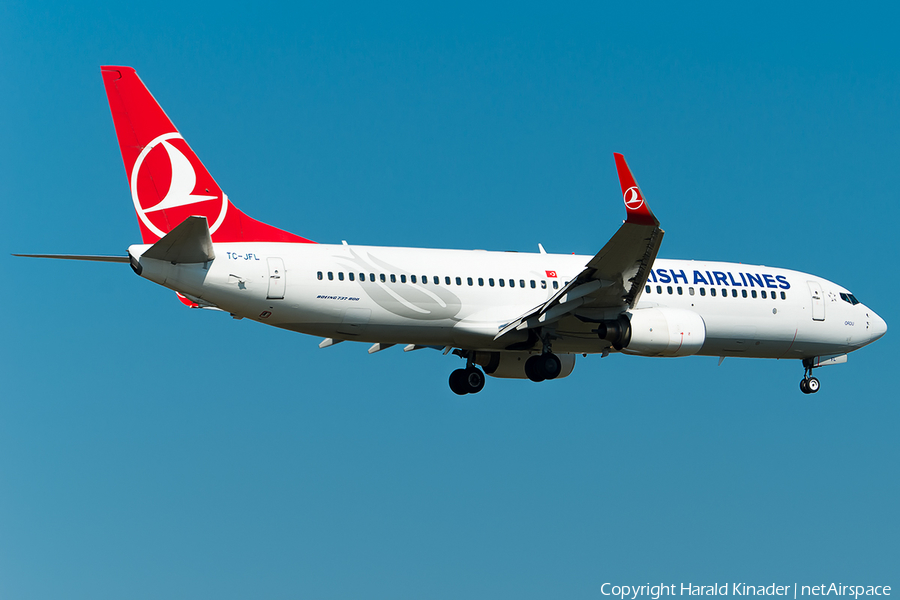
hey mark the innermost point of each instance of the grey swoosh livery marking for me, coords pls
(408, 300)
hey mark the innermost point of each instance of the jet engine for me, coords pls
(656, 332)
(511, 365)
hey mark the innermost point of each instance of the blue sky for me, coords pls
(149, 451)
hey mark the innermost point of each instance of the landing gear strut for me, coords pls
(809, 384)
(467, 381)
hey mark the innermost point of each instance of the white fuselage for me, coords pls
(454, 298)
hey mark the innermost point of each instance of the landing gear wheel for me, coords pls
(466, 381)
(474, 380)
(804, 386)
(551, 366)
(458, 382)
(532, 369)
(545, 366)
(812, 385)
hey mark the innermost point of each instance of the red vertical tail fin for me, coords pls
(168, 182)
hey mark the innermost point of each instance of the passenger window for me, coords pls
(724, 293)
(512, 283)
(491, 282)
(659, 289)
(521, 283)
(647, 289)
(393, 278)
(680, 291)
(402, 278)
(340, 275)
(533, 284)
(734, 293)
(555, 284)
(351, 276)
(362, 276)
(753, 293)
(447, 279)
(469, 280)
(543, 284)
(502, 282)
(783, 296)
(481, 281)
(458, 281)
(669, 289)
(372, 277)
(763, 293)
(319, 275)
(437, 280)
(330, 276)
(702, 291)
(712, 291)
(383, 278)
(744, 293)
(412, 278)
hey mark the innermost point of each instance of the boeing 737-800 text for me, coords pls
(513, 315)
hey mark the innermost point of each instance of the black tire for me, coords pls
(458, 382)
(803, 386)
(812, 384)
(474, 380)
(532, 369)
(551, 366)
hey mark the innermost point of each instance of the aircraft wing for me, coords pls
(615, 277)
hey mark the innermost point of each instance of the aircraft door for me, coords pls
(818, 300)
(276, 278)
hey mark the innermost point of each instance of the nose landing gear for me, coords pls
(809, 384)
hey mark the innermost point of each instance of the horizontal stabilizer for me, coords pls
(117, 259)
(190, 242)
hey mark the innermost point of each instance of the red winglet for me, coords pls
(186, 301)
(168, 181)
(638, 211)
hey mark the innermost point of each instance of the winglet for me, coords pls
(638, 211)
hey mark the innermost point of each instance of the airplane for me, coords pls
(507, 314)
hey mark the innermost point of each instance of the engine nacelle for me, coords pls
(656, 332)
(511, 365)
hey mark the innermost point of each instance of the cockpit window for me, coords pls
(849, 298)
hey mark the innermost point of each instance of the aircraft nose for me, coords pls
(877, 327)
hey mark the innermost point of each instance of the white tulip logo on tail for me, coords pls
(632, 197)
(181, 187)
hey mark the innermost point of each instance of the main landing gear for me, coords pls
(809, 384)
(467, 381)
(543, 366)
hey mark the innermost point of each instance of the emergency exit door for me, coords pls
(818, 300)
(276, 278)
